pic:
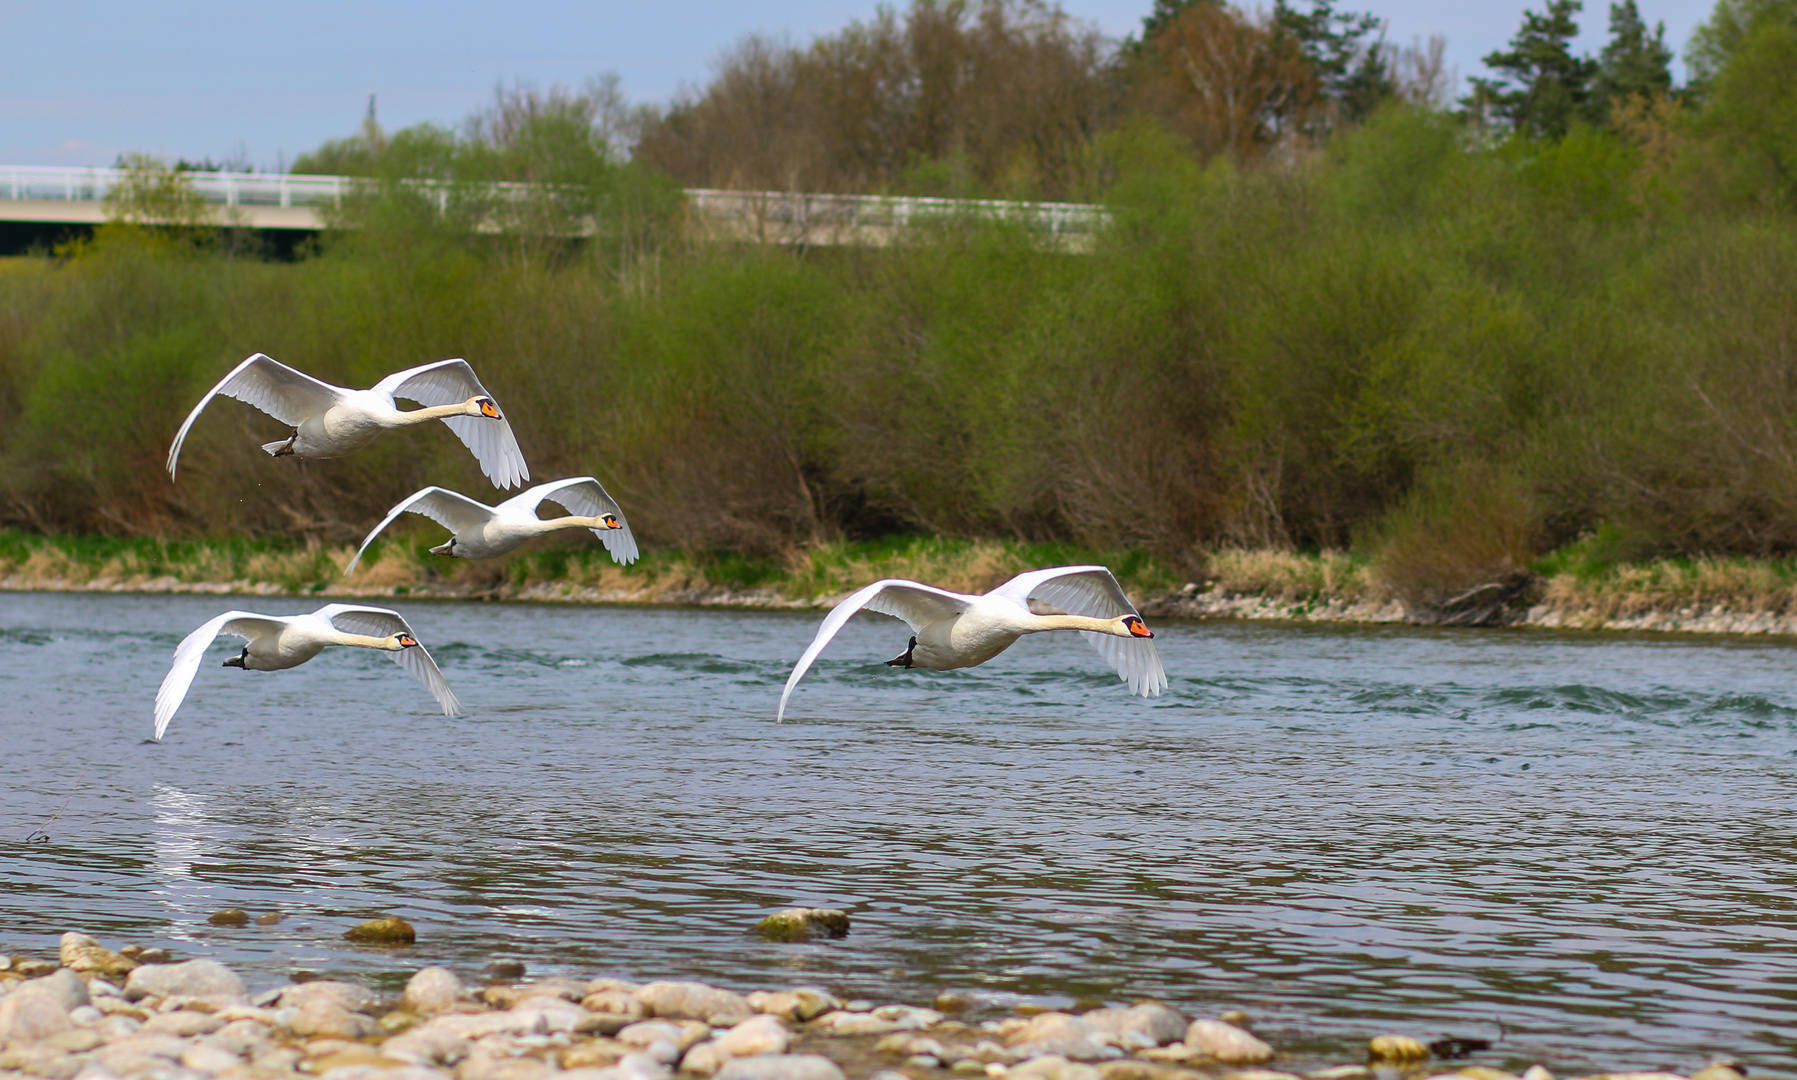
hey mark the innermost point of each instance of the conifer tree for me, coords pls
(1634, 62)
(1540, 88)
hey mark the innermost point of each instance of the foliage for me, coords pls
(1635, 63)
(1541, 88)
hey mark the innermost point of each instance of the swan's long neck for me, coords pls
(363, 641)
(434, 412)
(551, 524)
(1077, 622)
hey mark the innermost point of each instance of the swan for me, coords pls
(278, 642)
(953, 630)
(331, 421)
(487, 532)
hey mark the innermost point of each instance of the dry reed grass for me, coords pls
(1289, 575)
(1634, 589)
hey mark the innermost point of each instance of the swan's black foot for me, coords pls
(904, 660)
(237, 661)
(287, 451)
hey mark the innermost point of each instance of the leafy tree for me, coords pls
(1633, 63)
(1541, 88)
(1714, 43)
(1751, 114)
(1163, 13)
(1344, 50)
(1230, 83)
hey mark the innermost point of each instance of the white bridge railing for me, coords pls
(776, 217)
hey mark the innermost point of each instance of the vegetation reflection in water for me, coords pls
(1573, 844)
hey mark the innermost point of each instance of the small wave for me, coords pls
(705, 663)
(25, 637)
(1594, 700)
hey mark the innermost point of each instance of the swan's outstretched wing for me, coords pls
(586, 497)
(383, 622)
(287, 395)
(188, 654)
(451, 382)
(452, 510)
(1093, 591)
(919, 605)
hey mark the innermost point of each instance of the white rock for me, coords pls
(114, 1028)
(241, 1037)
(757, 1035)
(545, 1015)
(322, 1018)
(379, 1072)
(478, 1026)
(86, 1015)
(693, 1001)
(781, 1067)
(40, 1007)
(1062, 1036)
(1051, 1067)
(194, 979)
(647, 1033)
(1140, 1026)
(1536, 1072)
(185, 1024)
(910, 1016)
(801, 1004)
(344, 995)
(432, 990)
(1227, 1043)
(206, 1058)
(843, 1022)
(427, 1046)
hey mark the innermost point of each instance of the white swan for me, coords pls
(953, 630)
(277, 642)
(331, 421)
(487, 532)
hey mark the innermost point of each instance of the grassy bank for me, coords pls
(1576, 587)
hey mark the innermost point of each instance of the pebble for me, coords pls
(1227, 1043)
(205, 979)
(433, 990)
(195, 1021)
(229, 917)
(804, 924)
(391, 930)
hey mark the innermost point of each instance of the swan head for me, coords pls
(401, 641)
(1136, 627)
(611, 521)
(483, 406)
(446, 548)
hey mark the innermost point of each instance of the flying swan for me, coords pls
(953, 630)
(278, 642)
(331, 421)
(487, 532)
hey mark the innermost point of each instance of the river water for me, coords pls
(1581, 847)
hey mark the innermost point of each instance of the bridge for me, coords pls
(40, 199)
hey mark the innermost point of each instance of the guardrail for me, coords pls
(769, 217)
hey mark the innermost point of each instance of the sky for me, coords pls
(85, 80)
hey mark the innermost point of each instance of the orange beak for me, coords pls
(488, 409)
(611, 522)
(407, 641)
(1140, 628)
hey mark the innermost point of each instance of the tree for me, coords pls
(1230, 83)
(1751, 114)
(1344, 50)
(1634, 63)
(1541, 88)
(1716, 40)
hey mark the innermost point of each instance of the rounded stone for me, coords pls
(195, 978)
(804, 924)
(502, 970)
(781, 1067)
(269, 918)
(432, 990)
(1395, 1049)
(229, 917)
(1227, 1043)
(391, 930)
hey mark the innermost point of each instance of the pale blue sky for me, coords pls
(83, 80)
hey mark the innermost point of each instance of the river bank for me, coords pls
(96, 1013)
(1564, 591)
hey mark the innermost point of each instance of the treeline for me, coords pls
(1441, 334)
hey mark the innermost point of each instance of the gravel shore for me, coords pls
(96, 1014)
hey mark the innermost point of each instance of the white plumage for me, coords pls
(955, 630)
(487, 532)
(278, 642)
(331, 421)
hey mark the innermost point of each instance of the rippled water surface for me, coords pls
(1584, 848)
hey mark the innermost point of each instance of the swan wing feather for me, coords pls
(265, 383)
(384, 622)
(585, 497)
(450, 509)
(917, 604)
(188, 654)
(451, 382)
(1093, 591)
